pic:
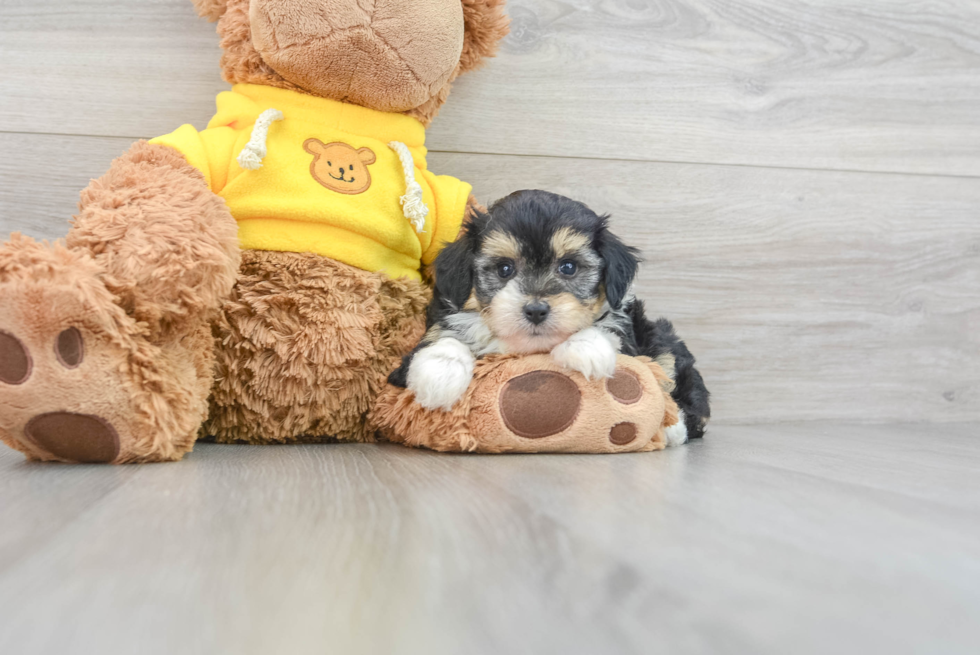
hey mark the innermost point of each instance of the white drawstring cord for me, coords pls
(254, 151)
(412, 204)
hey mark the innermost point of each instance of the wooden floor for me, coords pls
(803, 179)
(804, 538)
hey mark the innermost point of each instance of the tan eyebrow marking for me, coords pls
(501, 244)
(567, 241)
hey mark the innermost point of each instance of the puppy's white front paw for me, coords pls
(439, 374)
(591, 352)
(677, 433)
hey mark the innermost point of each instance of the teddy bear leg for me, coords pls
(106, 353)
(306, 346)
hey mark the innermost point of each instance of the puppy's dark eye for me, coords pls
(505, 269)
(567, 267)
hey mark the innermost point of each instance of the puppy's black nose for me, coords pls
(536, 311)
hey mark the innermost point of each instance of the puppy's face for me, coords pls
(533, 293)
(539, 269)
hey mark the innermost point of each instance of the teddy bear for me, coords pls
(255, 281)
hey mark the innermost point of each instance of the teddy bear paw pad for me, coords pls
(47, 392)
(15, 360)
(67, 386)
(74, 437)
(623, 433)
(70, 347)
(625, 387)
(539, 404)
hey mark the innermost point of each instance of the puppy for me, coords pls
(542, 273)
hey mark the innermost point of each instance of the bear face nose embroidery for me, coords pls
(536, 312)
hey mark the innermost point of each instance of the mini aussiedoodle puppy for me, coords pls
(542, 273)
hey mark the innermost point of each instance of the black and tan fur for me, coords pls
(536, 253)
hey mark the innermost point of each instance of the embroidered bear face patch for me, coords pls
(340, 167)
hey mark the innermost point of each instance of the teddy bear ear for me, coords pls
(366, 155)
(484, 25)
(210, 9)
(313, 146)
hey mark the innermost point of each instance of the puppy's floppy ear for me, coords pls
(454, 270)
(210, 9)
(484, 25)
(621, 264)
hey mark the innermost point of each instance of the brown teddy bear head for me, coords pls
(390, 55)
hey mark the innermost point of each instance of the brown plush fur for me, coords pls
(240, 62)
(485, 24)
(305, 344)
(156, 287)
(475, 423)
(210, 9)
(153, 394)
(366, 55)
(152, 255)
(167, 246)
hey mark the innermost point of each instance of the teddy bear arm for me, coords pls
(168, 246)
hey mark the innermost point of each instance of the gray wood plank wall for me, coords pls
(802, 177)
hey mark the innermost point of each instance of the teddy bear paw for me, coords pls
(64, 391)
(65, 435)
(49, 397)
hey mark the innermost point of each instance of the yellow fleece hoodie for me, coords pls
(331, 181)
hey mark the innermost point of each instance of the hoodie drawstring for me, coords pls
(254, 151)
(413, 206)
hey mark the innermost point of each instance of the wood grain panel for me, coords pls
(106, 67)
(799, 538)
(875, 85)
(804, 294)
(870, 85)
(39, 190)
